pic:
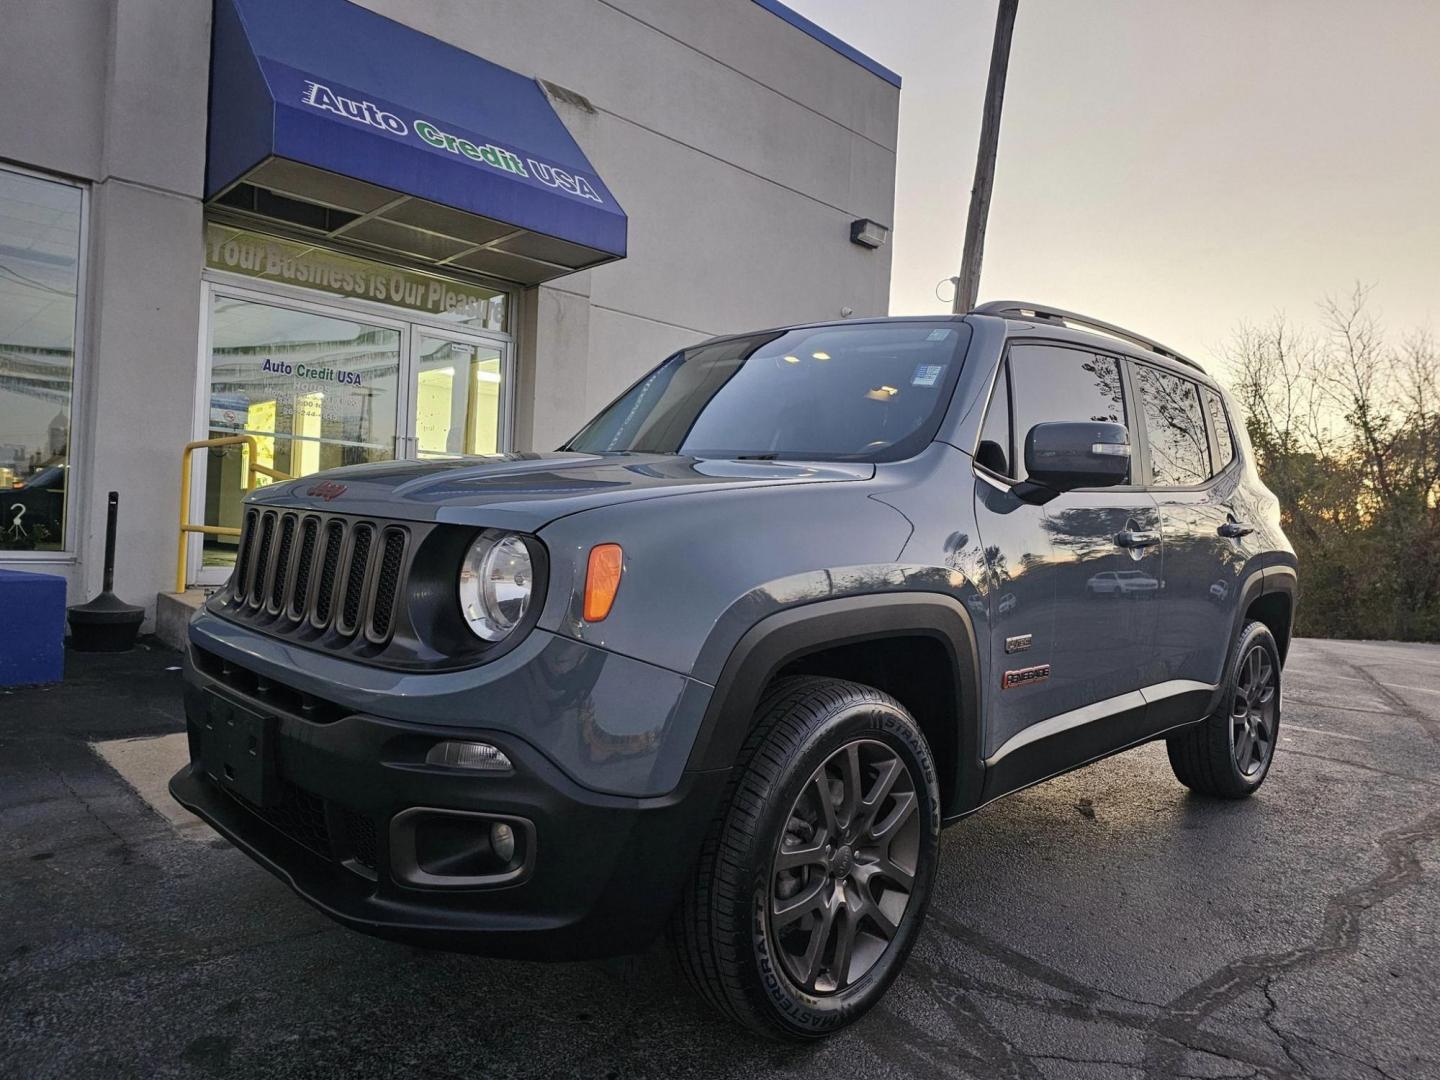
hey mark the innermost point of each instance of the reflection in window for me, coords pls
(271, 258)
(994, 451)
(1224, 441)
(1174, 426)
(1051, 384)
(861, 391)
(39, 283)
(316, 392)
(457, 410)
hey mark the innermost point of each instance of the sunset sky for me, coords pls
(1173, 166)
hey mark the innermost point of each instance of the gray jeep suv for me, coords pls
(728, 661)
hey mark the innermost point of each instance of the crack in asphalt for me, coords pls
(1268, 1018)
(1290, 699)
(957, 983)
(1026, 965)
(1402, 705)
(1172, 1029)
(1288, 1038)
(1356, 765)
(1340, 935)
(90, 810)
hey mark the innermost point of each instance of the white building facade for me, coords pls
(213, 226)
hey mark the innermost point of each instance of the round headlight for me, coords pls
(496, 580)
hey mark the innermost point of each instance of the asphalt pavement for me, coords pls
(1106, 924)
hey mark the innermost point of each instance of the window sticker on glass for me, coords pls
(927, 374)
(937, 335)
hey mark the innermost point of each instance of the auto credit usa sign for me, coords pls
(391, 120)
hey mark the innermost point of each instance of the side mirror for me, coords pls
(1066, 456)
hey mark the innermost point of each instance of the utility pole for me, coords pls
(967, 285)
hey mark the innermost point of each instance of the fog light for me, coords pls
(502, 841)
(469, 755)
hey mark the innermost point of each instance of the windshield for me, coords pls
(867, 391)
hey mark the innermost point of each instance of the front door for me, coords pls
(1100, 575)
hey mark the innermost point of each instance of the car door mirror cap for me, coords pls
(1067, 455)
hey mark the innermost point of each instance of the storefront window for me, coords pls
(315, 391)
(39, 286)
(269, 258)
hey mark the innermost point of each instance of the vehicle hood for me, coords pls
(527, 491)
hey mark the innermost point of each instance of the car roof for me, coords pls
(1021, 328)
(1015, 327)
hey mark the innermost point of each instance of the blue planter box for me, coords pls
(32, 628)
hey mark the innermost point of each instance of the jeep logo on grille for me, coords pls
(327, 490)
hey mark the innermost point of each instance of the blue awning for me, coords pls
(342, 122)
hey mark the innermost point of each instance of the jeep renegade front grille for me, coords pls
(320, 574)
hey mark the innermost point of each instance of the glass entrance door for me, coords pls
(316, 389)
(459, 395)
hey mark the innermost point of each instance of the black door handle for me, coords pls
(1235, 529)
(1132, 538)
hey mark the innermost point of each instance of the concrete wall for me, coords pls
(741, 148)
(113, 92)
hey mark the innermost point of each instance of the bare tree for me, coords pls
(1346, 429)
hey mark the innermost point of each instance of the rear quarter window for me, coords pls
(1220, 422)
(1174, 428)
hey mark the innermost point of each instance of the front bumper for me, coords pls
(606, 869)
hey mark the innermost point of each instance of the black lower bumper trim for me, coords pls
(608, 869)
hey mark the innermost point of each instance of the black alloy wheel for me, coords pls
(813, 881)
(1253, 715)
(1229, 754)
(844, 872)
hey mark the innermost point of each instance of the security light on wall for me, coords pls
(867, 233)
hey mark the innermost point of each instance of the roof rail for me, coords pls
(1023, 309)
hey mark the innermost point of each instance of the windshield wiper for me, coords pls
(756, 457)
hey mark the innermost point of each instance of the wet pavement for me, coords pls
(1106, 924)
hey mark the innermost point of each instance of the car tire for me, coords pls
(766, 890)
(1228, 755)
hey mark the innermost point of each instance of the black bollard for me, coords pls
(107, 623)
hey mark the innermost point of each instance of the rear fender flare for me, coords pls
(1250, 591)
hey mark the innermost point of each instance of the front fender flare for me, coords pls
(788, 635)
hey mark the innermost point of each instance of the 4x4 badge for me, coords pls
(1024, 676)
(1019, 643)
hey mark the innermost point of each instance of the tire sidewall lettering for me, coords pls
(798, 1009)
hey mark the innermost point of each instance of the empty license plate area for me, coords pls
(237, 748)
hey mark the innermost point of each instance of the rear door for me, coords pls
(1193, 478)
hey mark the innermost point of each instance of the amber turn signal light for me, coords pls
(602, 580)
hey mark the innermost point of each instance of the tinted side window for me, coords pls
(1052, 384)
(996, 450)
(1174, 428)
(1224, 441)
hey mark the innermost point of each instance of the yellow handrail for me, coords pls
(254, 469)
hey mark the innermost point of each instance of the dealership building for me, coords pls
(340, 232)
